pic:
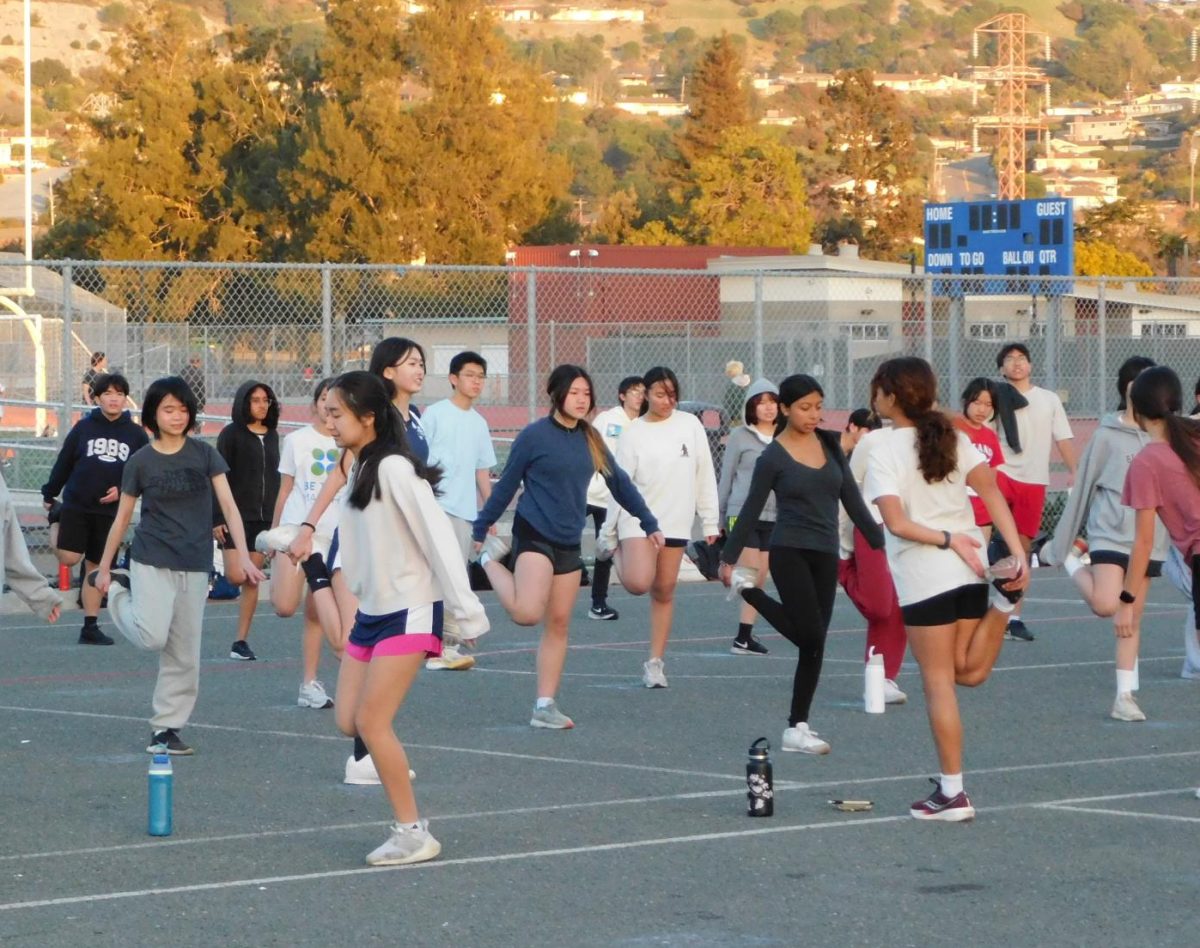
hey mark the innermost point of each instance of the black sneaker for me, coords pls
(603, 612)
(240, 650)
(584, 579)
(169, 739)
(94, 635)
(1017, 631)
(1035, 547)
(54, 514)
(119, 576)
(751, 646)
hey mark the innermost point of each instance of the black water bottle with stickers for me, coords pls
(760, 788)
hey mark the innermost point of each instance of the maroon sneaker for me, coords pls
(938, 806)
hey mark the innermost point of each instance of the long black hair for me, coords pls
(1130, 369)
(1157, 395)
(388, 352)
(557, 387)
(660, 373)
(363, 394)
(912, 382)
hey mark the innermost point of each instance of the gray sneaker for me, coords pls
(406, 844)
(550, 717)
(653, 675)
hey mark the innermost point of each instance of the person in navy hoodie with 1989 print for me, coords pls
(88, 474)
(250, 446)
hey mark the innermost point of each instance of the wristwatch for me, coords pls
(945, 544)
(1127, 597)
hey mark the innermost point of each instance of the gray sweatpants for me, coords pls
(164, 613)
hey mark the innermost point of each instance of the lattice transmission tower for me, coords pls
(1013, 77)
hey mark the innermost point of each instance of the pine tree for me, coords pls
(717, 100)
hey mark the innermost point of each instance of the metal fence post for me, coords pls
(1054, 333)
(1102, 330)
(531, 339)
(927, 320)
(954, 333)
(759, 369)
(326, 321)
(68, 361)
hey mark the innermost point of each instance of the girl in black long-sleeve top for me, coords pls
(807, 471)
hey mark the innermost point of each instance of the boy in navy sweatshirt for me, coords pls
(88, 474)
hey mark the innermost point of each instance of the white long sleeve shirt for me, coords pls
(401, 551)
(671, 465)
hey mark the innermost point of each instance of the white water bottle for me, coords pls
(873, 684)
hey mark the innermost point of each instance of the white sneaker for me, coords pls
(312, 695)
(495, 548)
(362, 773)
(892, 693)
(406, 844)
(744, 577)
(278, 539)
(1125, 708)
(451, 659)
(804, 741)
(550, 718)
(653, 675)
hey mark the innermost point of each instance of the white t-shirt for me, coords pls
(671, 465)
(1039, 425)
(461, 444)
(921, 570)
(307, 456)
(610, 424)
(858, 467)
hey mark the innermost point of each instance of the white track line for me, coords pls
(545, 758)
(1130, 813)
(775, 830)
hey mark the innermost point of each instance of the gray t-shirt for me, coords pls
(175, 531)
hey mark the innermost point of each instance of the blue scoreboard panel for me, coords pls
(1034, 238)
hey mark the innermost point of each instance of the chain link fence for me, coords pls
(291, 325)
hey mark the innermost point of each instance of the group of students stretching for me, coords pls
(385, 563)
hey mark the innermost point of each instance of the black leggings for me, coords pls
(1196, 589)
(807, 584)
(602, 569)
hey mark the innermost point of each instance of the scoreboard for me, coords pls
(1033, 238)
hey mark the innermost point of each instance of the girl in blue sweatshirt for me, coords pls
(555, 459)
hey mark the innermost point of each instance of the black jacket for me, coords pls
(253, 460)
(92, 460)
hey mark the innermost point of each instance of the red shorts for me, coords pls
(1004, 483)
(1027, 502)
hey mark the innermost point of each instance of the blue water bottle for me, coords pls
(159, 810)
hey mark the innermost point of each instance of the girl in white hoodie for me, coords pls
(666, 455)
(404, 565)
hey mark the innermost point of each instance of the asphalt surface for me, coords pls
(628, 830)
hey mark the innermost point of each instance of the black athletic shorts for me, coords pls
(564, 559)
(82, 532)
(252, 529)
(965, 602)
(675, 542)
(1113, 558)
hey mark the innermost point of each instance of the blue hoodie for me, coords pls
(92, 460)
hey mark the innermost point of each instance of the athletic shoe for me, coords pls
(604, 613)
(407, 844)
(278, 539)
(653, 675)
(54, 514)
(119, 576)
(451, 659)
(892, 693)
(1125, 708)
(606, 546)
(801, 740)
(495, 547)
(744, 577)
(240, 650)
(169, 740)
(938, 806)
(1001, 573)
(94, 635)
(1017, 631)
(550, 717)
(312, 695)
(751, 646)
(706, 557)
(1035, 548)
(361, 773)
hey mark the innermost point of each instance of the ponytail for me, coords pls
(937, 445)
(596, 449)
(1183, 434)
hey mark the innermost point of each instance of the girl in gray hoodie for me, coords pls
(1095, 502)
(760, 409)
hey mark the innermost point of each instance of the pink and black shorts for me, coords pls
(417, 629)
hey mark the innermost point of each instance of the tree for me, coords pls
(1100, 258)
(748, 192)
(870, 139)
(717, 100)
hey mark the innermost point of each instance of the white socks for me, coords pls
(951, 784)
(1126, 681)
(1072, 564)
(483, 558)
(544, 703)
